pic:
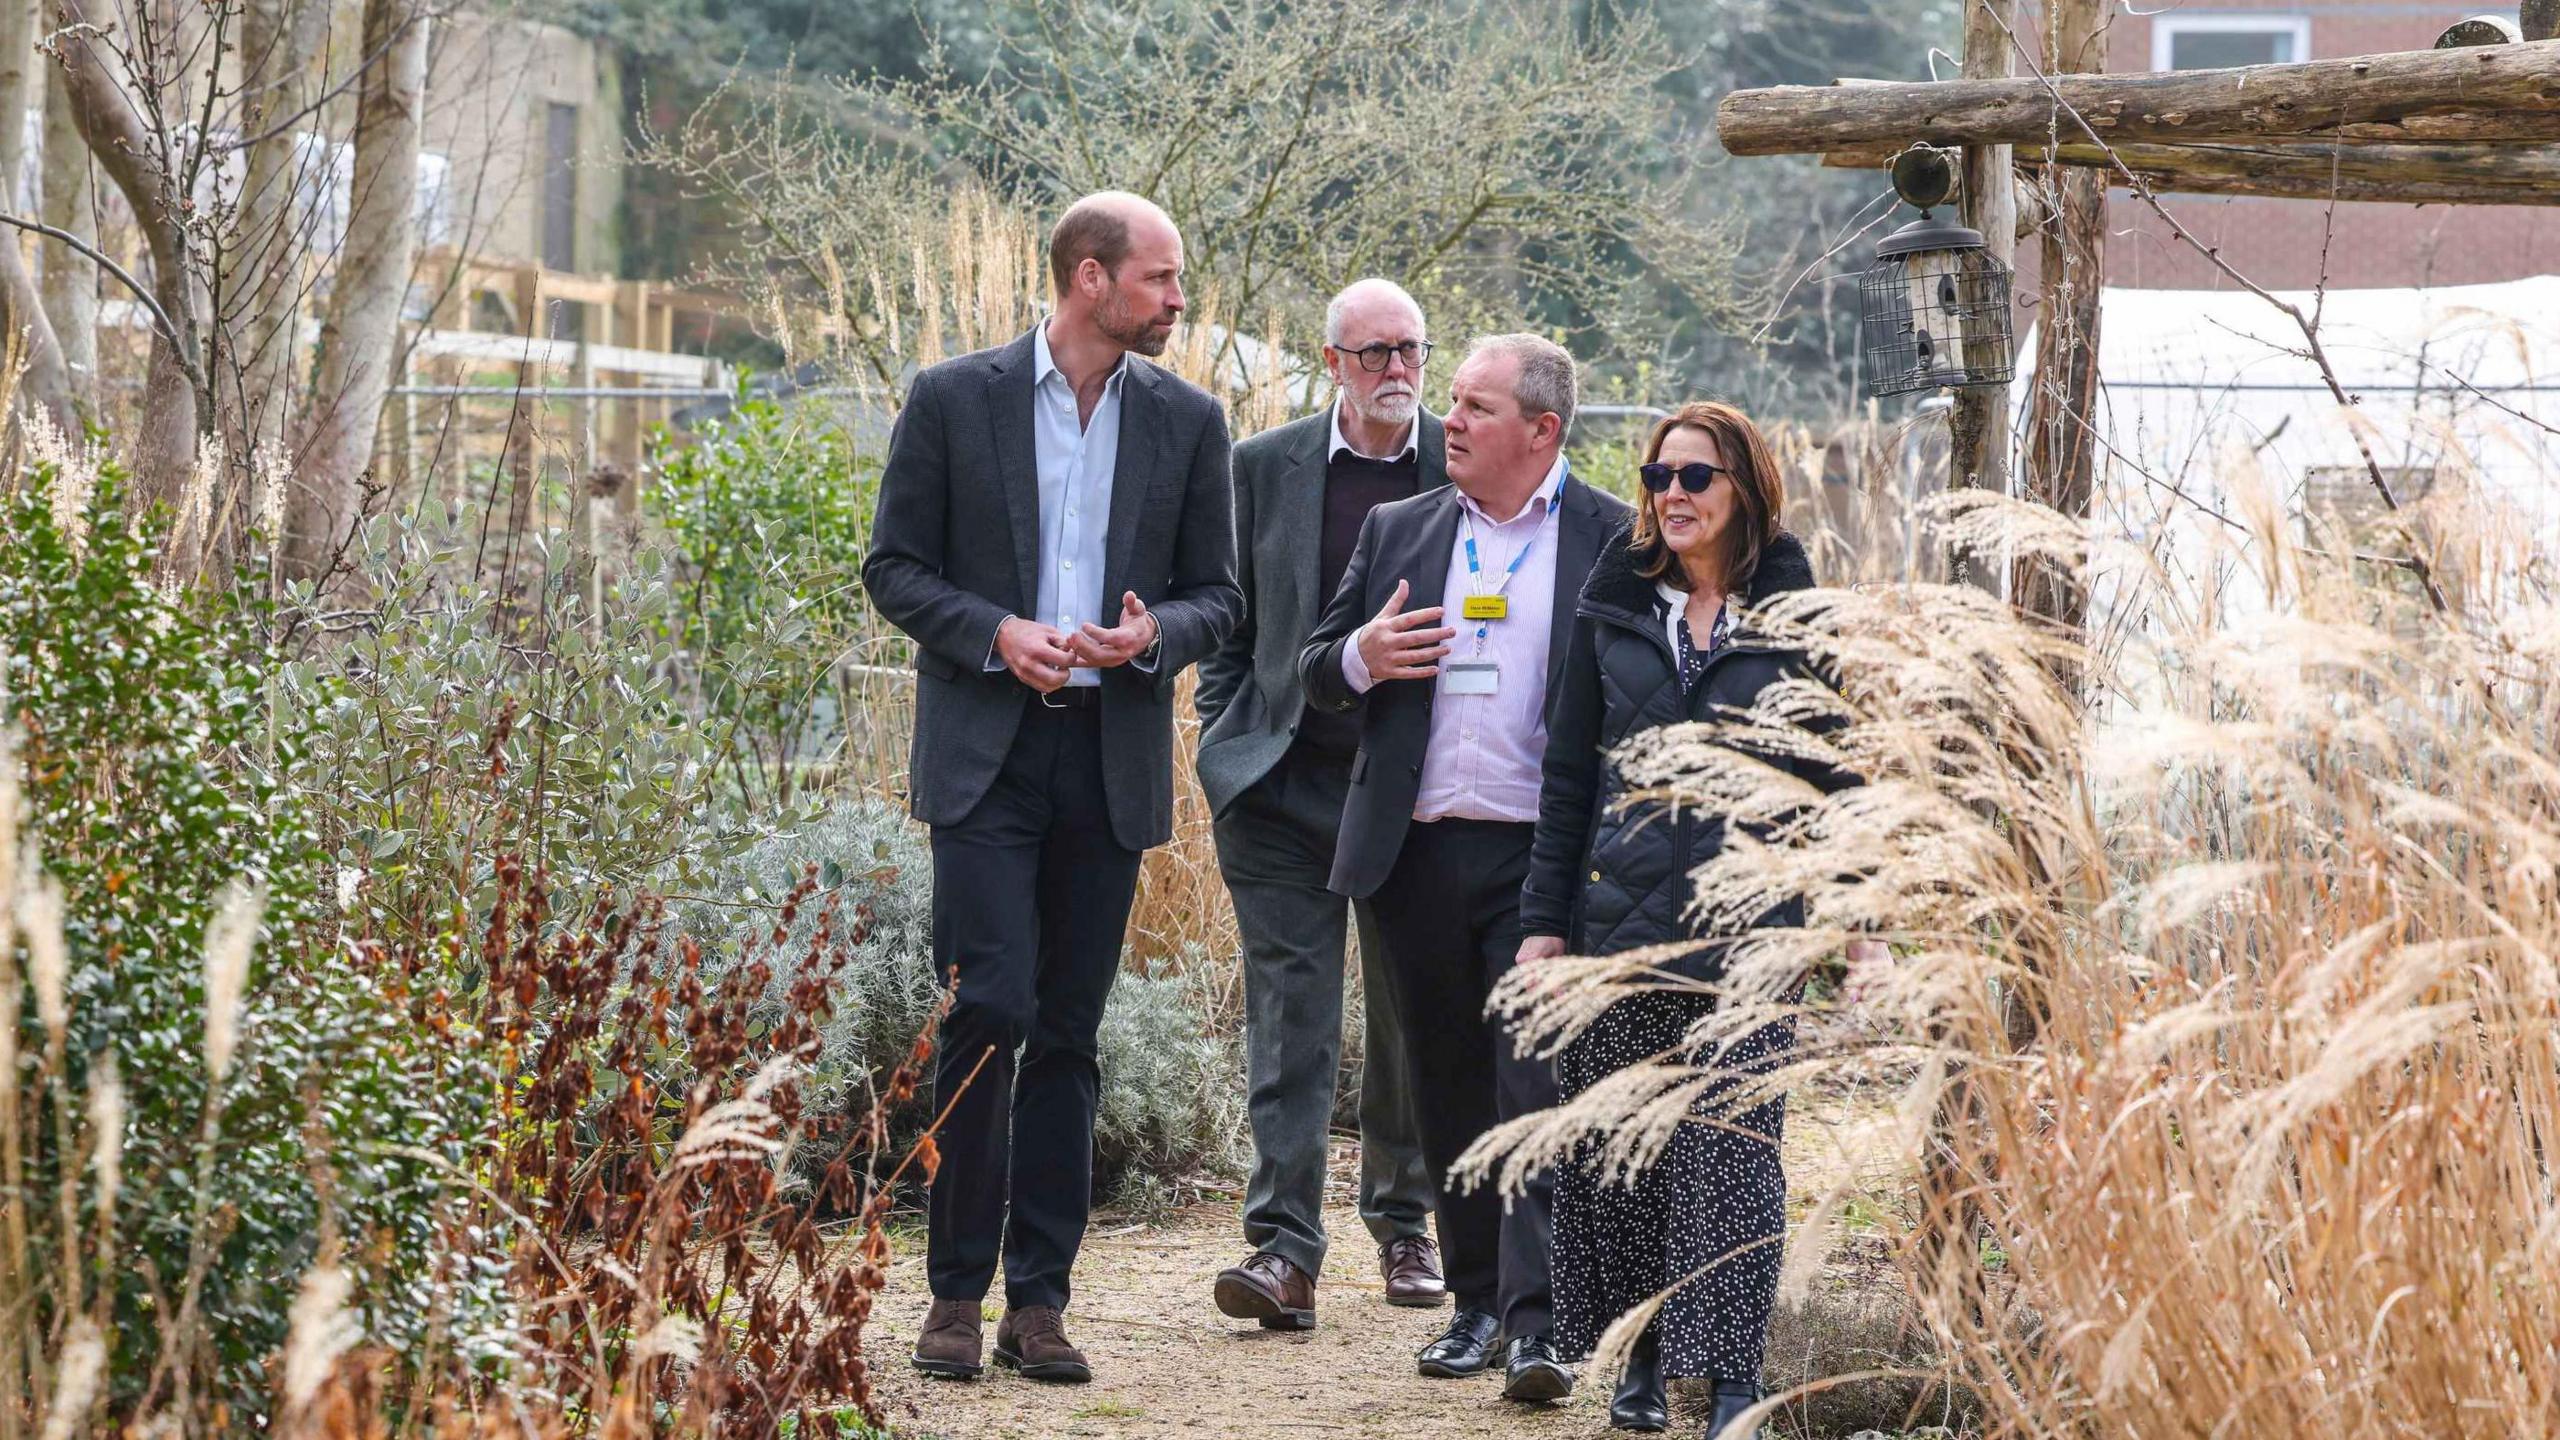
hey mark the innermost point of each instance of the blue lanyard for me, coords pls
(1475, 571)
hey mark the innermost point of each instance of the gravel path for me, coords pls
(1167, 1363)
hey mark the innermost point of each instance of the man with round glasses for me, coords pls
(1276, 772)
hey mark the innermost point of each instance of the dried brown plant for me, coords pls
(668, 1278)
(2279, 893)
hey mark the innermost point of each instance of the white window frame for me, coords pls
(2166, 28)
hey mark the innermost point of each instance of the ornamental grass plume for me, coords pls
(39, 917)
(322, 1330)
(76, 1380)
(228, 939)
(2223, 1021)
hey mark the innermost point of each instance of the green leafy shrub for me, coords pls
(765, 518)
(766, 505)
(156, 785)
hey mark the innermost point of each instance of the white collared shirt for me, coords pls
(1075, 457)
(1340, 443)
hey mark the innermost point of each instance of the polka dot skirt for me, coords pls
(1711, 1193)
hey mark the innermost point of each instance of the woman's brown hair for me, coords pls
(1757, 496)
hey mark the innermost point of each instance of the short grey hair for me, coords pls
(1548, 383)
(1358, 290)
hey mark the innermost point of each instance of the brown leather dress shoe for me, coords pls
(948, 1348)
(1033, 1340)
(1411, 1264)
(1268, 1288)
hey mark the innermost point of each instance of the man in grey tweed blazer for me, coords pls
(1056, 532)
(1276, 772)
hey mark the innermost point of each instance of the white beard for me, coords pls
(1384, 409)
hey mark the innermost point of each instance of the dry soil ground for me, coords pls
(1167, 1363)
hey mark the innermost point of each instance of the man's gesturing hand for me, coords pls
(1120, 644)
(1403, 644)
(1037, 655)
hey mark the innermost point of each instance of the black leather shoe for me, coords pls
(1732, 1398)
(1641, 1403)
(1531, 1372)
(1465, 1348)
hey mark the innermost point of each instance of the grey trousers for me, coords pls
(1275, 848)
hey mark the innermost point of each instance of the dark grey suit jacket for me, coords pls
(1249, 699)
(955, 548)
(1410, 540)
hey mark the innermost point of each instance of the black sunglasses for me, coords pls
(1373, 358)
(1694, 477)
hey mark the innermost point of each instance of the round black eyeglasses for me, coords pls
(1373, 358)
(1694, 477)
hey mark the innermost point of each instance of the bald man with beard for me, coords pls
(1275, 773)
(1055, 533)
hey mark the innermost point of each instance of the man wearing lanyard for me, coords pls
(1444, 797)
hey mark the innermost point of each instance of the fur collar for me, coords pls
(1616, 588)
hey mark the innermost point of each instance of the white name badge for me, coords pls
(1471, 677)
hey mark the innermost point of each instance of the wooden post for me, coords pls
(582, 434)
(451, 311)
(2061, 442)
(630, 328)
(1978, 427)
(593, 512)
(662, 338)
(523, 455)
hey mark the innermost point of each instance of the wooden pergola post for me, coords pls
(2061, 436)
(1978, 426)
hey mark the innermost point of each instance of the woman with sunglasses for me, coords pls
(1664, 634)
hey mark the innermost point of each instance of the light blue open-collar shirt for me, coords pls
(1075, 461)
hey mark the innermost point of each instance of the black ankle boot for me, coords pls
(1732, 1397)
(1640, 1403)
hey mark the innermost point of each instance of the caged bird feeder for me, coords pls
(1934, 308)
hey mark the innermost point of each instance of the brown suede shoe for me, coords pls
(1268, 1288)
(1033, 1340)
(948, 1348)
(1411, 1264)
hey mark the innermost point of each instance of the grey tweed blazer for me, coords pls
(955, 548)
(1249, 697)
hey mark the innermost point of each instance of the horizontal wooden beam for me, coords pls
(2481, 92)
(2401, 174)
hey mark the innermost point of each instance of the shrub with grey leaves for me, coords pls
(1172, 1092)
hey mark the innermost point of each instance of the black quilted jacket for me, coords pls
(1608, 876)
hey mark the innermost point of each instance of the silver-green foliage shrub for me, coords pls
(463, 709)
(1172, 1093)
(888, 991)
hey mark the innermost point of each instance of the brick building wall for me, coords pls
(2280, 243)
